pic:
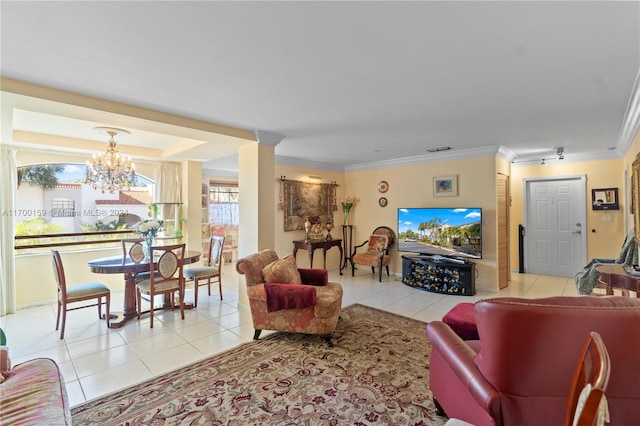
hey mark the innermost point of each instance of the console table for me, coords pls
(312, 245)
(614, 276)
(439, 276)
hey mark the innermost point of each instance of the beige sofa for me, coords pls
(33, 393)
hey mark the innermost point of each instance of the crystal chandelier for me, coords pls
(109, 172)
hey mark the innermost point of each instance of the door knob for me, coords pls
(578, 232)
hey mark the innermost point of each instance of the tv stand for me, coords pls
(439, 274)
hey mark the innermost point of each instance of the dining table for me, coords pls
(124, 265)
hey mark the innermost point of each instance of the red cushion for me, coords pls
(462, 320)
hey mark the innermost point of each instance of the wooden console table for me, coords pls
(313, 245)
(615, 277)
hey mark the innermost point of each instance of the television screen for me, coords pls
(452, 232)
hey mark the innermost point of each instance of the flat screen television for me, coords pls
(451, 232)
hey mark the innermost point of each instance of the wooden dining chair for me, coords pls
(132, 249)
(167, 279)
(587, 403)
(77, 293)
(211, 270)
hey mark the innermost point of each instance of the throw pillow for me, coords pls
(282, 271)
(378, 243)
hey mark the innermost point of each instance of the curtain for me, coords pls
(9, 176)
(169, 184)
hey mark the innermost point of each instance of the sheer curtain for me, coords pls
(169, 184)
(8, 174)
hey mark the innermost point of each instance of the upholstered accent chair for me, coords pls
(377, 251)
(211, 270)
(167, 279)
(316, 304)
(77, 293)
(521, 369)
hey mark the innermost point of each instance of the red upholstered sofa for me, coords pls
(520, 371)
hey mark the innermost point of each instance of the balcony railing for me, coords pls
(37, 243)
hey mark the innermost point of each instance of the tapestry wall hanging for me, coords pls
(302, 200)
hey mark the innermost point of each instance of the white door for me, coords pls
(555, 226)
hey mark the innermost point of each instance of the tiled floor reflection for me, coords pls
(96, 360)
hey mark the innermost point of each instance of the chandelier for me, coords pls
(110, 172)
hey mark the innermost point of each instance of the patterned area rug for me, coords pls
(377, 373)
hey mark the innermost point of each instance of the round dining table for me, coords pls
(130, 269)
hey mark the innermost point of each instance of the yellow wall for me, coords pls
(607, 239)
(412, 186)
(284, 240)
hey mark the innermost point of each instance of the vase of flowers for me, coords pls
(347, 204)
(149, 229)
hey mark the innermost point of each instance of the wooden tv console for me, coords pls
(439, 275)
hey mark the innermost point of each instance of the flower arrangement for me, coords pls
(347, 204)
(149, 229)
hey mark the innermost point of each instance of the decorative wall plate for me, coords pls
(383, 186)
(382, 201)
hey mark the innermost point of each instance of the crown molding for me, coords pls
(299, 162)
(431, 158)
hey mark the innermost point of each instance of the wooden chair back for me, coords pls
(132, 248)
(587, 402)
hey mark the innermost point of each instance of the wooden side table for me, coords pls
(614, 276)
(312, 245)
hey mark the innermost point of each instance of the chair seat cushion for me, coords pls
(328, 298)
(145, 286)
(200, 271)
(371, 259)
(86, 289)
(462, 319)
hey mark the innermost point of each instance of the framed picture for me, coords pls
(604, 199)
(445, 186)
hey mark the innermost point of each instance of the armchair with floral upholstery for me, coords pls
(377, 254)
(283, 297)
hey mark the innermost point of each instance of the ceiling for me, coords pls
(346, 84)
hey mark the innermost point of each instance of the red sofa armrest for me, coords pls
(318, 277)
(459, 356)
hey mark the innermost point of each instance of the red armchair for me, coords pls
(520, 371)
(319, 317)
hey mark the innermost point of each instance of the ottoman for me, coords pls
(462, 321)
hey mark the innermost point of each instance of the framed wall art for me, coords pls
(445, 186)
(303, 199)
(604, 199)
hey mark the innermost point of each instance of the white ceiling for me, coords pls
(345, 83)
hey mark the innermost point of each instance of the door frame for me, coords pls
(582, 179)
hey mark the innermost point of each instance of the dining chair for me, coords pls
(211, 270)
(132, 249)
(77, 293)
(587, 401)
(167, 279)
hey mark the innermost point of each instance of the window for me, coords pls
(61, 207)
(223, 203)
(53, 199)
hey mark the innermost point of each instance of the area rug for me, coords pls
(377, 373)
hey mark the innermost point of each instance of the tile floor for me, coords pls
(96, 360)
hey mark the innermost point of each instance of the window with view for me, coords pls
(223, 204)
(53, 199)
